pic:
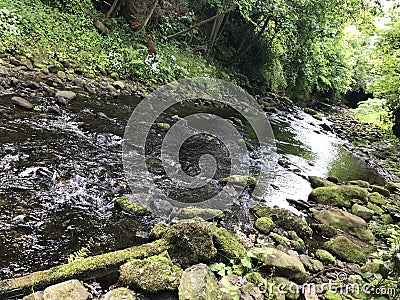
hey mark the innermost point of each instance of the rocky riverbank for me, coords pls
(341, 243)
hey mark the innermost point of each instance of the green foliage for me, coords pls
(387, 63)
(373, 111)
(81, 253)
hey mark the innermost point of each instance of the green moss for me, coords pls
(376, 266)
(285, 219)
(381, 190)
(376, 209)
(325, 257)
(392, 187)
(310, 111)
(264, 224)
(316, 182)
(324, 230)
(256, 278)
(163, 126)
(318, 117)
(153, 274)
(228, 244)
(331, 295)
(131, 207)
(362, 211)
(360, 183)
(279, 239)
(291, 288)
(339, 196)
(346, 250)
(158, 230)
(377, 198)
(386, 219)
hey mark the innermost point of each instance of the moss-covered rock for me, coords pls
(362, 211)
(316, 182)
(130, 207)
(345, 249)
(191, 242)
(375, 208)
(285, 219)
(283, 264)
(377, 198)
(198, 282)
(324, 230)
(380, 189)
(318, 117)
(290, 289)
(339, 196)
(325, 257)
(255, 278)
(264, 224)
(310, 264)
(347, 222)
(158, 230)
(163, 126)
(152, 275)
(360, 183)
(241, 180)
(71, 289)
(279, 239)
(228, 244)
(310, 111)
(392, 187)
(386, 219)
(204, 213)
(119, 294)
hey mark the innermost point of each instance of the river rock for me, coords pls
(71, 289)
(69, 95)
(21, 102)
(360, 183)
(347, 222)
(377, 198)
(316, 182)
(362, 211)
(264, 224)
(228, 244)
(325, 257)
(381, 190)
(375, 208)
(119, 84)
(345, 249)
(204, 213)
(340, 196)
(53, 69)
(55, 109)
(392, 187)
(191, 242)
(285, 219)
(283, 264)
(241, 180)
(120, 294)
(152, 275)
(198, 282)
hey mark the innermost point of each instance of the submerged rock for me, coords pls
(71, 289)
(285, 219)
(347, 222)
(198, 282)
(283, 264)
(346, 250)
(339, 196)
(191, 242)
(152, 275)
(22, 103)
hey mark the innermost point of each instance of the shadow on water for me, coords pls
(60, 175)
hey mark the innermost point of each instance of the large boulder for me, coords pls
(71, 289)
(347, 222)
(198, 282)
(285, 219)
(345, 249)
(283, 264)
(339, 196)
(190, 242)
(152, 275)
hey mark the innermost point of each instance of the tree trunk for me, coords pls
(148, 16)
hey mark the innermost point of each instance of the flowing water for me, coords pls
(59, 176)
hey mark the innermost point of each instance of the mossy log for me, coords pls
(85, 268)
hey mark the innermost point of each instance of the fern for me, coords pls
(81, 253)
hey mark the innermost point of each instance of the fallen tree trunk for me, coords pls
(85, 268)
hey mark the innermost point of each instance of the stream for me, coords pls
(60, 175)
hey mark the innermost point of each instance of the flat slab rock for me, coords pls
(21, 102)
(69, 95)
